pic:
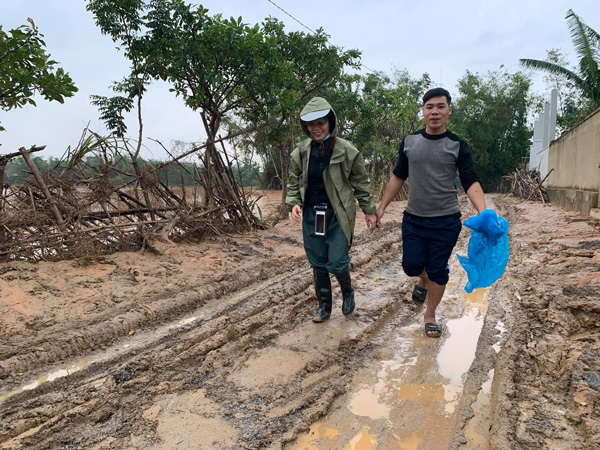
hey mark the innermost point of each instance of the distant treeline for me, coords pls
(171, 174)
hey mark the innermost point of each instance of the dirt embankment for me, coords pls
(211, 346)
(548, 385)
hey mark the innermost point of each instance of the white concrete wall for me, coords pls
(574, 184)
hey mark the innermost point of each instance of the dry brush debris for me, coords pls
(116, 204)
(528, 185)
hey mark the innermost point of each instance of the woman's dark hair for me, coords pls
(329, 143)
(331, 119)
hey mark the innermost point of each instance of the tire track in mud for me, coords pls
(103, 329)
(66, 343)
(110, 398)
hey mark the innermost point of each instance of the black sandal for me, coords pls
(433, 330)
(419, 295)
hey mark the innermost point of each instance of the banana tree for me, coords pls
(586, 42)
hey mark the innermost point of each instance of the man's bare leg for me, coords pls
(423, 280)
(434, 296)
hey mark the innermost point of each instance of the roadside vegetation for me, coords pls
(248, 83)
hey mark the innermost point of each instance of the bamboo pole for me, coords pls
(42, 184)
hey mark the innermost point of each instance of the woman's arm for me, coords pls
(359, 180)
(293, 196)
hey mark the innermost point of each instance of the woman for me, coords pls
(326, 174)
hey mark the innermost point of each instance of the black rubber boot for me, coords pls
(323, 291)
(347, 291)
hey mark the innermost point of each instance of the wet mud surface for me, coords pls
(212, 346)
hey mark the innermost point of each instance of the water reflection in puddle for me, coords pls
(457, 354)
(183, 322)
(322, 437)
(502, 329)
(413, 413)
(72, 368)
(362, 441)
(422, 392)
(410, 439)
(319, 436)
(458, 351)
(366, 403)
(476, 302)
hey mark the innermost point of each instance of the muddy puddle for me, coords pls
(406, 396)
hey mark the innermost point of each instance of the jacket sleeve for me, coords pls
(294, 176)
(359, 180)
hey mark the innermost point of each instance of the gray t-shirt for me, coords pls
(433, 161)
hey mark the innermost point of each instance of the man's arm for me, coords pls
(475, 194)
(399, 175)
(469, 178)
(392, 189)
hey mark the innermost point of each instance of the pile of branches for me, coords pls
(85, 211)
(528, 185)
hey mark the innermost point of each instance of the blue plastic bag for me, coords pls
(487, 250)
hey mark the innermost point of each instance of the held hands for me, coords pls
(296, 213)
(371, 220)
(379, 214)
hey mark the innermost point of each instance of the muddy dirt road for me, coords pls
(211, 347)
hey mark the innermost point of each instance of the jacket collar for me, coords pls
(337, 155)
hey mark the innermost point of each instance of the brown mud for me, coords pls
(212, 346)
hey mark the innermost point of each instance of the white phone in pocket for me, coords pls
(321, 220)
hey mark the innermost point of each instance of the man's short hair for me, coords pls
(437, 92)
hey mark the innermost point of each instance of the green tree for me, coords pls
(210, 61)
(123, 22)
(491, 115)
(260, 145)
(213, 64)
(394, 103)
(26, 69)
(17, 170)
(376, 112)
(586, 79)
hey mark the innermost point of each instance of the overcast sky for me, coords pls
(442, 38)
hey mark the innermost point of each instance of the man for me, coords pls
(431, 222)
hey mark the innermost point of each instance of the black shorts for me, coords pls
(427, 244)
